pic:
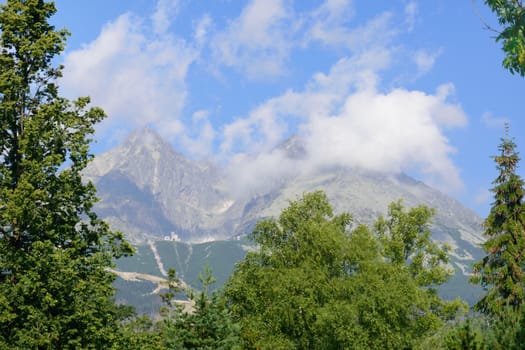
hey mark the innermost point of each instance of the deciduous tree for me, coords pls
(316, 284)
(511, 16)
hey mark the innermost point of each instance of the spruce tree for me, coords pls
(55, 288)
(501, 272)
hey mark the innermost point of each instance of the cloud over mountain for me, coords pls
(135, 70)
(347, 114)
(345, 120)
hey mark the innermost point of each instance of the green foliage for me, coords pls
(482, 332)
(170, 311)
(210, 325)
(55, 287)
(507, 331)
(139, 333)
(406, 242)
(207, 326)
(501, 271)
(471, 333)
(467, 336)
(313, 285)
(511, 15)
(502, 322)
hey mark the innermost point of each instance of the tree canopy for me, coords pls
(501, 271)
(316, 284)
(511, 16)
(501, 321)
(55, 287)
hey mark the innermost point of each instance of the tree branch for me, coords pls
(482, 20)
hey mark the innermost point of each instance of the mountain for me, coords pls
(148, 190)
(154, 194)
(141, 275)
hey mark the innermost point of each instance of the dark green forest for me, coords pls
(317, 280)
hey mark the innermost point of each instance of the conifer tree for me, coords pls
(501, 271)
(55, 288)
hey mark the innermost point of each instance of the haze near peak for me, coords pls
(232, 82)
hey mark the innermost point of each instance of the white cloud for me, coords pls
(411, 10)
(388, 132)
(345, 121)
(329, 25)
(200, 145)
(328, 21)
(135, 75)
(164, 12)
(260, 41)
(492, 122)
(261, 129)
(267, 124)
(257, 42)
(250, 175)
(136, 71)
(202, 29)
(425, 60)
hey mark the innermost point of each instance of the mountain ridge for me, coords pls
(195, 200)
(168, 205)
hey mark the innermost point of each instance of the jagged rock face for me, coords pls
(148, 190)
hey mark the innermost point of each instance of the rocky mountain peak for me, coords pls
(148, 139)
(145, 172)
(146, 175)
(293, 147)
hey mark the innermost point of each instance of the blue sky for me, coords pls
(390, 86)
